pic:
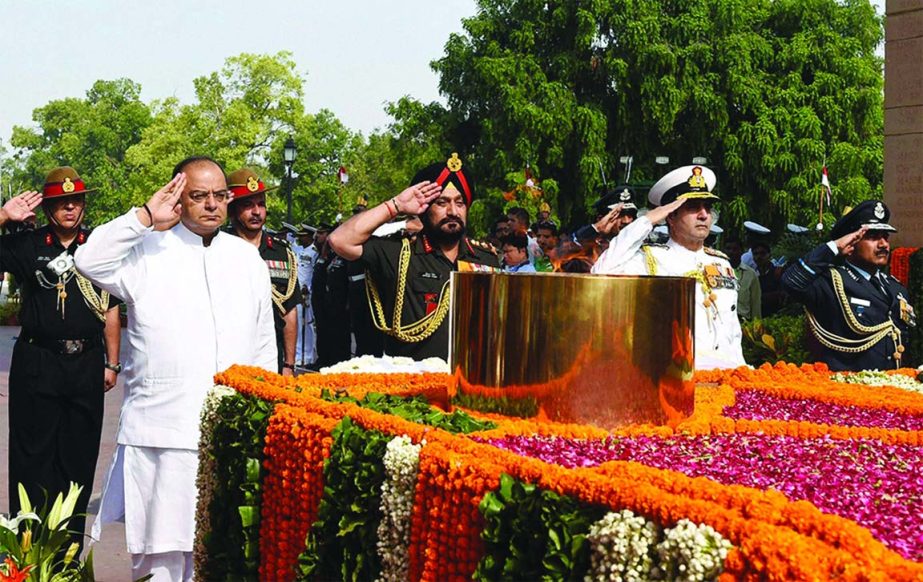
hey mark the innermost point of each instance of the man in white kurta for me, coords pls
(683, 197)
(198, 301)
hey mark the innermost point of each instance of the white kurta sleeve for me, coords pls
(623, 248)
(107, 258)
(266, 356)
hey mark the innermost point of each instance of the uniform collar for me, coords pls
(50, 238)
(862, 272)
(675, 246)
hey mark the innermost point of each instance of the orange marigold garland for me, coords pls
(900, 264)
(296, 446)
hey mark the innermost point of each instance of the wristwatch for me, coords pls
(289, 366)
(116, 367)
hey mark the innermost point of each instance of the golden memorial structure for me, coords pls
(603, 350)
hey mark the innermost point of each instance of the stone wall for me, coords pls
(903, 179)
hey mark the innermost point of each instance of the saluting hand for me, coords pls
(20, 208)
(655, 215)
(609, 223)
(417, 198)
(164, 204)
(848, 242)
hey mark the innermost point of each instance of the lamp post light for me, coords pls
(288, 158)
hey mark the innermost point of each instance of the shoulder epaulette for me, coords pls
(283, 244)
(716, 253)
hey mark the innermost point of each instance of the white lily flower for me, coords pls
(12, 524)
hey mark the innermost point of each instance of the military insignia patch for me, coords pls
(67, 185)
(253, 184)
(625, 196)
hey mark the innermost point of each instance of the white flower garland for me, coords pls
(691, 553)
(876, 378)
(625, 547)
(620, 547)
(402, 463)
(207, 469)
(386, 365)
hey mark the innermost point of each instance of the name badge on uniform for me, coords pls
(860, 302)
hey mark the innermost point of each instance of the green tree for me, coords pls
(91, 134)
(324, 144)
(237, 118)
(764, 90)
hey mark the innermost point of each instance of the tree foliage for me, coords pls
(765, 90)
(92, 134)
(241, 115)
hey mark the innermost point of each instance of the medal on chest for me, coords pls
(907, 314)
(466, 266)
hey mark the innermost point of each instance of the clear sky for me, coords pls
(356, 54)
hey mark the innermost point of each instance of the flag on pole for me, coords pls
(343, 175)
(825, 182)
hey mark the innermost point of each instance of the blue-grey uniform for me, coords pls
(717, 328)
(861, 319)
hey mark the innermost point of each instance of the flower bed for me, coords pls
(358, 480)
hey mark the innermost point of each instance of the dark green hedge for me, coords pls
(234, 513)
(533, 534)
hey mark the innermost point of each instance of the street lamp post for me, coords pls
(288, 157)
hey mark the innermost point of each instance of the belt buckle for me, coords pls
(71, 347)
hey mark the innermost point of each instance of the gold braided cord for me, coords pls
(851, 320)
(98, 304)
(836, 342)
(649, 259)
(280, 298)
(418, 330)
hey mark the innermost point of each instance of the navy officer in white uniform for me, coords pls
(684, 199)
